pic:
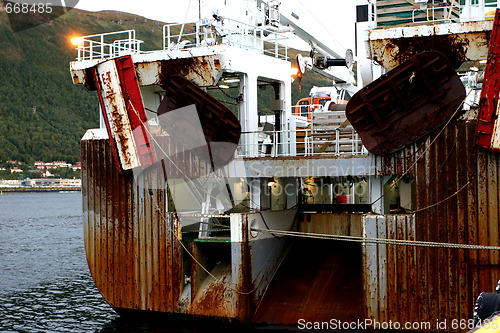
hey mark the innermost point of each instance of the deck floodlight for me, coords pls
(77, 41)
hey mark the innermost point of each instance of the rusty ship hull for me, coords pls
(137, 262)
(257, 220)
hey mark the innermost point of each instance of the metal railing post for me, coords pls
(102, 46)
(276, 148)
(276, 51)
(130, 42)
(198, 41)
(355, 136)
(337, 143)
(164, 38)
(169, 37)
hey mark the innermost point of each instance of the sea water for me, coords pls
(45, 283)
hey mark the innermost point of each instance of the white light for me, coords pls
(223, 86)
(231, 80)
(77, 41)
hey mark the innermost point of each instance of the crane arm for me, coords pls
(319, 39)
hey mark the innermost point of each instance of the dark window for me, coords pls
(304, 108)
(362, 13)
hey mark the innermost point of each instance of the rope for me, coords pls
(205, 215)
(407, 157)
(386, 241)
(462, 132)
(265, 223)
(426, 150)
(201, 189)
(213, 276)
(211, 230)
(177, 218)
(313, 235)
(437, 203)
(236, 100)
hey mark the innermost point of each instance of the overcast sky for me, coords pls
(334, 17)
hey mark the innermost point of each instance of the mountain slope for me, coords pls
(42, 114)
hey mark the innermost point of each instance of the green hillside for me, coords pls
(42, 114)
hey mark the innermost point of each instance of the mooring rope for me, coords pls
(386, 241)
(427, 149)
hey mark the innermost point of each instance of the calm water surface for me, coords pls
(45, 283)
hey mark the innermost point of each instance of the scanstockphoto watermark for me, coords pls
(365, 324)
(362, 324)
(26, 14)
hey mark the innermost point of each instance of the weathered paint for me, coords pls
(381, 264)
(136, 260)
(425, 284)
(407, 103)
(124, 113)
(81, 74)
(114, 109)
(488, 131)
(129, 240)
(332, 224)
(134, 250)
(458, 41)
(204, 71)
(135, 110)
(153, 69)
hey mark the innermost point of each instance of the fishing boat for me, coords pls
(383, 212)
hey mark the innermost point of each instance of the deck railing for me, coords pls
(188, 35)
(107, 45)
(478, 10)
(225, 31)
(300, 143)
(387, 13)
(437, 14)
